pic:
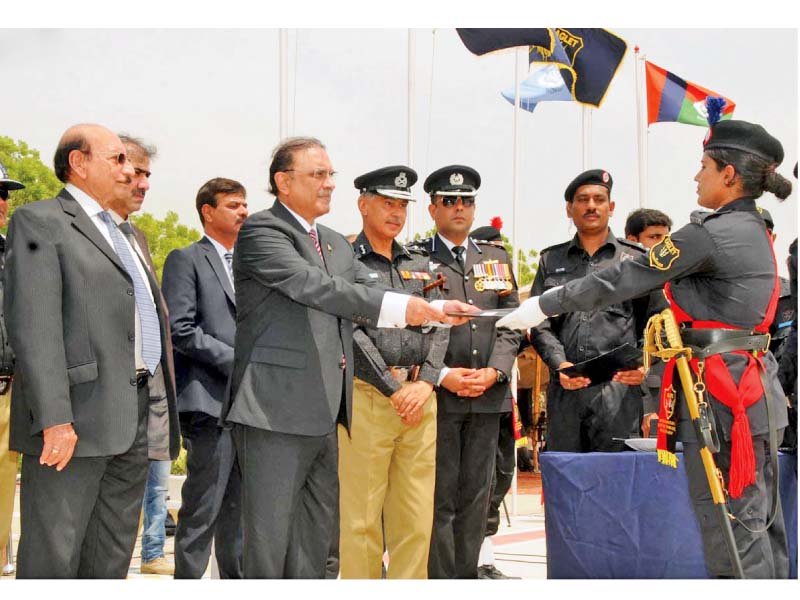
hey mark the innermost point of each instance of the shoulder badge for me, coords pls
(663, 254)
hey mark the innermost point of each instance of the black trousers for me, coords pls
(211, 501)
(503, 472)
(466, 445)
(82, 522)
(764, 555)
(290, 491)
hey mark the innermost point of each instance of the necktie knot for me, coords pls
(459, 252)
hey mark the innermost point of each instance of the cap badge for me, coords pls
(605, 177)
(401, 180)
(456, 179)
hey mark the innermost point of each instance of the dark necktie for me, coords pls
(459, 252)
(148, 319)
(229, 264)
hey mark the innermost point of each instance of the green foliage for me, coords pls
(164, 236)
(528, 262)
(179, 464)
(25, 165)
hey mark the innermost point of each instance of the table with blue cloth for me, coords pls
(622, 515)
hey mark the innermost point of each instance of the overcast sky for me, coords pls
(209, 100)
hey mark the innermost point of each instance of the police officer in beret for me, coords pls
(471, 396)
(387, 462)
(584, 416)
(721, 274)
(8, 459)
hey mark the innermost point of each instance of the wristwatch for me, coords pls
(501, 377)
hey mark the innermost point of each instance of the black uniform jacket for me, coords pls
(476, 344)
(375, 350)
(722, 268)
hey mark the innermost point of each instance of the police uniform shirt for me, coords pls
(476, 344)
(582, 335)
(722, 268)
(375, 350)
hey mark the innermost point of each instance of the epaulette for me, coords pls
(416, 249)
(494, 243)
(553, 247)
(698, 217)
(630, 244)
(420, 245)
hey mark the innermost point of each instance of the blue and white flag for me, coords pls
(543, 85)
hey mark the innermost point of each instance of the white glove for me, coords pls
(526, 316)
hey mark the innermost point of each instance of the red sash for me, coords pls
(721, 385)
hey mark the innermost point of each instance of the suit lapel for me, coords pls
(219, 269)
(82, 222)
(443, 254)
(279, 210)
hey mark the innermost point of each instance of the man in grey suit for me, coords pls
(89, 335)
(198, 285)
(299, 289)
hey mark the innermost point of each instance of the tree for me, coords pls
(164, 236)
(527, 260)
(25, 165)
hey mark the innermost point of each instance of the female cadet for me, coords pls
(720, 275)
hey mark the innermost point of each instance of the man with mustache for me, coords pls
(198, 286)
(581, 416)
(89, 336)
(387, 461)
(162, 385)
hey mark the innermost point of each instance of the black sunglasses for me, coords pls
(3, 194)
(449, 201)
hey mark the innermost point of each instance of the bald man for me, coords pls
(89, 336)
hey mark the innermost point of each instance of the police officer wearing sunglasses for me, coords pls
(471, 395)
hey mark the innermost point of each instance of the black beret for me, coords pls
(392, 182)
(6, 183)
(591, 177)
(453, 180)
(745, 137)
(766, 216)
(487, 233)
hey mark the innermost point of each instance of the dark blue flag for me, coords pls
(588, 58)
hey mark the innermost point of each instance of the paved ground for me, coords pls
(519, 547)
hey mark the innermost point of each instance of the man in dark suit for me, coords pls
(198, 285)
(154, 561)
(298, 292)
(89, 335)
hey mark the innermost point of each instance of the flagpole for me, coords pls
(641, 135)
(586, 137)
(410, 229)
(518, 62)
(283, 84)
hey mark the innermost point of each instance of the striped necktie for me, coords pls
(313, 233)
(148, 319)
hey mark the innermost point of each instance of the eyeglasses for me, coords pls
(320, 174)
(449, 201)
(3, 194)
(119, 159)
